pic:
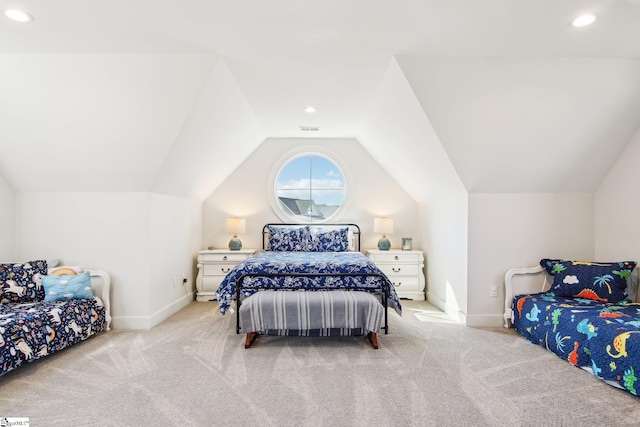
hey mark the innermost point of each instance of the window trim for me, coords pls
(309, 150)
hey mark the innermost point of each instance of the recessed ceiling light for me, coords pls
(584, 20)
(18, 15)
(310, 109)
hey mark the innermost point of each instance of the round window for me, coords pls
(309, 188)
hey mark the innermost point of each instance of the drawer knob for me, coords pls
(396, 270)
(397, 284)
(396, 257)
(225, 270)
(224, 258)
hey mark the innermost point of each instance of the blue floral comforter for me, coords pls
(590, 334)
(29, 331)
(339, 270)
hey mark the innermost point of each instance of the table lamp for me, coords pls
(384, 226)
(236, 226)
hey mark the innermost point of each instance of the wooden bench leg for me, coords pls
(251, 337)
(373, 337)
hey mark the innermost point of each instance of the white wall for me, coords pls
(140, 239)
(245, 194)
(444, 229)
(174, 239)
(617, 207)
(399, 136)
(517, 230)
(7, 221)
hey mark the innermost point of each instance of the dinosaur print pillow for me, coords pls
(21, 282)
(599, 281)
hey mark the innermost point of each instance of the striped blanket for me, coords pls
(324, 313)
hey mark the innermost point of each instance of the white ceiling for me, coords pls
(112, 84)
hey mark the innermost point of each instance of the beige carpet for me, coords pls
(192, 370)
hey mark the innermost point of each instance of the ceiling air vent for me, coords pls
(309, 128)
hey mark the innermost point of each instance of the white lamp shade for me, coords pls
(236, 225)
(383, 225)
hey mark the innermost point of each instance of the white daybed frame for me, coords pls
(101, 284)
(509, 288)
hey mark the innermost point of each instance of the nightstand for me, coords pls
(213, 265)
(404, 269)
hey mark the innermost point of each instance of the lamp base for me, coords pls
(384, 244)
(235, 244)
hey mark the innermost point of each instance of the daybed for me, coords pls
(42, 313)
(308, 258)
(588, 316)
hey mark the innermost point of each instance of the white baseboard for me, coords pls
(448, 309)
(485, 321)
(434, 300)
(456, 315)
(130, 322)
(169, 310)
(148, 322)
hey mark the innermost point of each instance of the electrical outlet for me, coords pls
(493, 291)
(184, 280)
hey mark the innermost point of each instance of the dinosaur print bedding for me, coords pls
(603, 338)
(29, 331)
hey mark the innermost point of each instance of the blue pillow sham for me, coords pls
(336, 240)
(600, 281)
(289, 239)
(67, 287)
(302, 238)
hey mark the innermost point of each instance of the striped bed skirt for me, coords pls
(311, 313)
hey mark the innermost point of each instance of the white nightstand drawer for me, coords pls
(400, 269)
(217, 269)
(406, 284)
(224, 257)
(397, 257)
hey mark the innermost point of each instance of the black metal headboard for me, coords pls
(353, 228)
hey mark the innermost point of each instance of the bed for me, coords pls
(584, 312)
(295, 257)
(43, 310)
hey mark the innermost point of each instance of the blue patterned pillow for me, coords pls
(289, 239)
(20, 282)
(336, 240)
(600, 281)
(66, 287)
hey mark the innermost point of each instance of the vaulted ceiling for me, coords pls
(171, 96)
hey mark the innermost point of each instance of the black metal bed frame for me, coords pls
(355, 228)
(382, 290)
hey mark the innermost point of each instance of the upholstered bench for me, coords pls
(311, 313)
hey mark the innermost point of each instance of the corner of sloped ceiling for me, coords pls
(527, 125)
(398, 134)
(114, 115)
(219, 133)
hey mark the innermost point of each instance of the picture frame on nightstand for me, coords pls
(406, 243)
